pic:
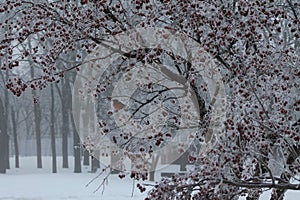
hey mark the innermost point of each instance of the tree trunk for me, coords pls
(75, 113)
(37, 118)
(86, 157)
(52, 130)
(182, 161)
(65, 120)
(2, 154)
(6, 136)
(154, 163)
(6, 144)
(151, 176)
(116, 165)
(85, 123)
(77, 147)
(37, 121)
(4, 158)
(4, 139)
(14, 127)
(95, 161)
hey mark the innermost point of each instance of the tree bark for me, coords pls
(14, 127)
(37, 121)
(86, 157)
(5, 123)
(116, 165)
(65, 120)
(77, 147)
(95, 161)
(52, 130)
(4, 140)
(154, 163)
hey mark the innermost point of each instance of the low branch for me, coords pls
(243, 184)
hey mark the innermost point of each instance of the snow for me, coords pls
(29, 183)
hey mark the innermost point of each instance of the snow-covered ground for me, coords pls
(29, 183)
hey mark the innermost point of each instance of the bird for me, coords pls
(117, 105)
(84, 2)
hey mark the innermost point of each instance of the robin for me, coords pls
(84, 2)
(117, 105)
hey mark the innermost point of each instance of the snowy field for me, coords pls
(29, 183)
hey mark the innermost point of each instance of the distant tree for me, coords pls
(4, 123)
(52, 130)
(15, 137)
(65, 102)
(4, 140)
(37, 122)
